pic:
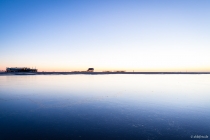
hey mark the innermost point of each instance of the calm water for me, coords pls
(104, 107)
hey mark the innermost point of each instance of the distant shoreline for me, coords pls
(95, 73)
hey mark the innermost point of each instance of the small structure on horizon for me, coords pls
(120, 71)
(20, 69)
(90, 70)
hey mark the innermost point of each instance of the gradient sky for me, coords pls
(68, 35)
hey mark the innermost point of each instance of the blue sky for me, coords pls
(68, 35)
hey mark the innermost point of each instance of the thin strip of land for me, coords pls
(94, 73)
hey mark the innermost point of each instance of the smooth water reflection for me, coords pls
(104, 106)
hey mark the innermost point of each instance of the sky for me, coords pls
(130, 35)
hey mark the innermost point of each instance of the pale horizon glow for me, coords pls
(110, 35)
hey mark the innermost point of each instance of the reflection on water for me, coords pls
(104, 106)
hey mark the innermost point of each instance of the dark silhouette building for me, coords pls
(90, 70)
(23, 69)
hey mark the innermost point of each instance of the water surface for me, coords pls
(104, 106)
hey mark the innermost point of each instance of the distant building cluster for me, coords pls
(22, 69)
(25, 69)
(92, 70)
(89, 70)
